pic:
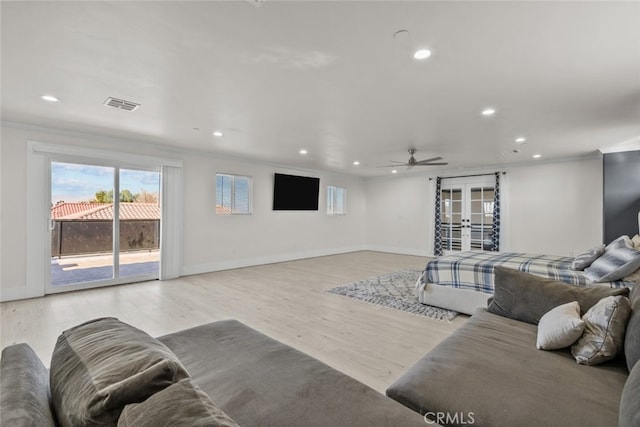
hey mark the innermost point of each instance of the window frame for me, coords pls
(332, 202)
(232, 208)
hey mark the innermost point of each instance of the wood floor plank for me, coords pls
(286, 301)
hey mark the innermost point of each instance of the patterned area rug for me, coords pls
(394, 290)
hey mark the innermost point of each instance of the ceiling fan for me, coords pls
(413, 162)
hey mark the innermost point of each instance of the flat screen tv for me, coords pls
(295, 193)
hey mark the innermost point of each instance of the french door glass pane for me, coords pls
(139, 215)
(481, 217)
(451, 218)
(81, 229)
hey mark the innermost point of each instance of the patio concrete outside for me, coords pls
(96, 267)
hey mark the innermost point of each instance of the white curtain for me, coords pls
(171, 228)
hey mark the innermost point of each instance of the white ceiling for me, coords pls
(331, 78)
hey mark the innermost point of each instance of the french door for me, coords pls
(467, 216)
(104, 224)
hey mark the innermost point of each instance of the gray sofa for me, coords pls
(253, 379)
(490, 371)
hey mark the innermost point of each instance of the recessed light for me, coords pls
(488, 112)
(49, 98)
(217, 133)
(303, 152)
(356, 163)
(394, 171)
(537, 156)
(422, 54)
(521, 140)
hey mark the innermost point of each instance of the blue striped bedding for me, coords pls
(474, 270)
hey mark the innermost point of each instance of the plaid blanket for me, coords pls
(474, 270)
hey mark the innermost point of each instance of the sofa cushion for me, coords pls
(259, 381)
(560, 327)
(100, 366)
(181, 403)
(523, 296)
(586, 258)
(490, 366)
(604, 329)
(629, 402)
(632, 335)
(619, 260)
(24, 389)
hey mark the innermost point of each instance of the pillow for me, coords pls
(100, 366)
(620, 259)
(525, 297)
(632, 336)
(604, 326)
(617, 241)
(24, 389)
(636, 241)
(560, 327)
(180, 404)
(585, 259)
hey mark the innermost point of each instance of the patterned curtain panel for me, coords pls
(437, 243)
(495, 238)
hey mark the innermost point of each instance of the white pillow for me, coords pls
(560, 327)
(636, 241)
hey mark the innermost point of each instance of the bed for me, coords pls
(464, 281)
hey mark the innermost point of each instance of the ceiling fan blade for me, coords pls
(396, 161)
(393, 166)
(430, 160)
(431, 164)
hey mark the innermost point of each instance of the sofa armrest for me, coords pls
(24, 389)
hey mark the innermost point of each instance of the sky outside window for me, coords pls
(78, 183)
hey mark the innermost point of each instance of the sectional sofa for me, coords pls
(490, 372)
(218, 374)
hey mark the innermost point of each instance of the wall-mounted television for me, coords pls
(295, 193)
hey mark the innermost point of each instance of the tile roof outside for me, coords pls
(64, 209)
(104, 211)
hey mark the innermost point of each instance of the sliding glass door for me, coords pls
(104, 224)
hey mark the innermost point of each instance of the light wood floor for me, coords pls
(285, 301)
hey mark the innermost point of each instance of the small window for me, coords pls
(233, 194)
(336, 200)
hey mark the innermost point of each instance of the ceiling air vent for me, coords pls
(121, 104)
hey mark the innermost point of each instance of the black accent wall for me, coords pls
(621, 194)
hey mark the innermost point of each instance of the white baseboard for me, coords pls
(18, 293)
(188, 270)
(401, 251)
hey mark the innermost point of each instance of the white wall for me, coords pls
(214, 242)
(399, 214)
(555, 208)
(552, 208)
(211, 242)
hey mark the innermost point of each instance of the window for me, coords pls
(233, 194)
(336, 200)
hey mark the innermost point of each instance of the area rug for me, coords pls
(394, 290)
